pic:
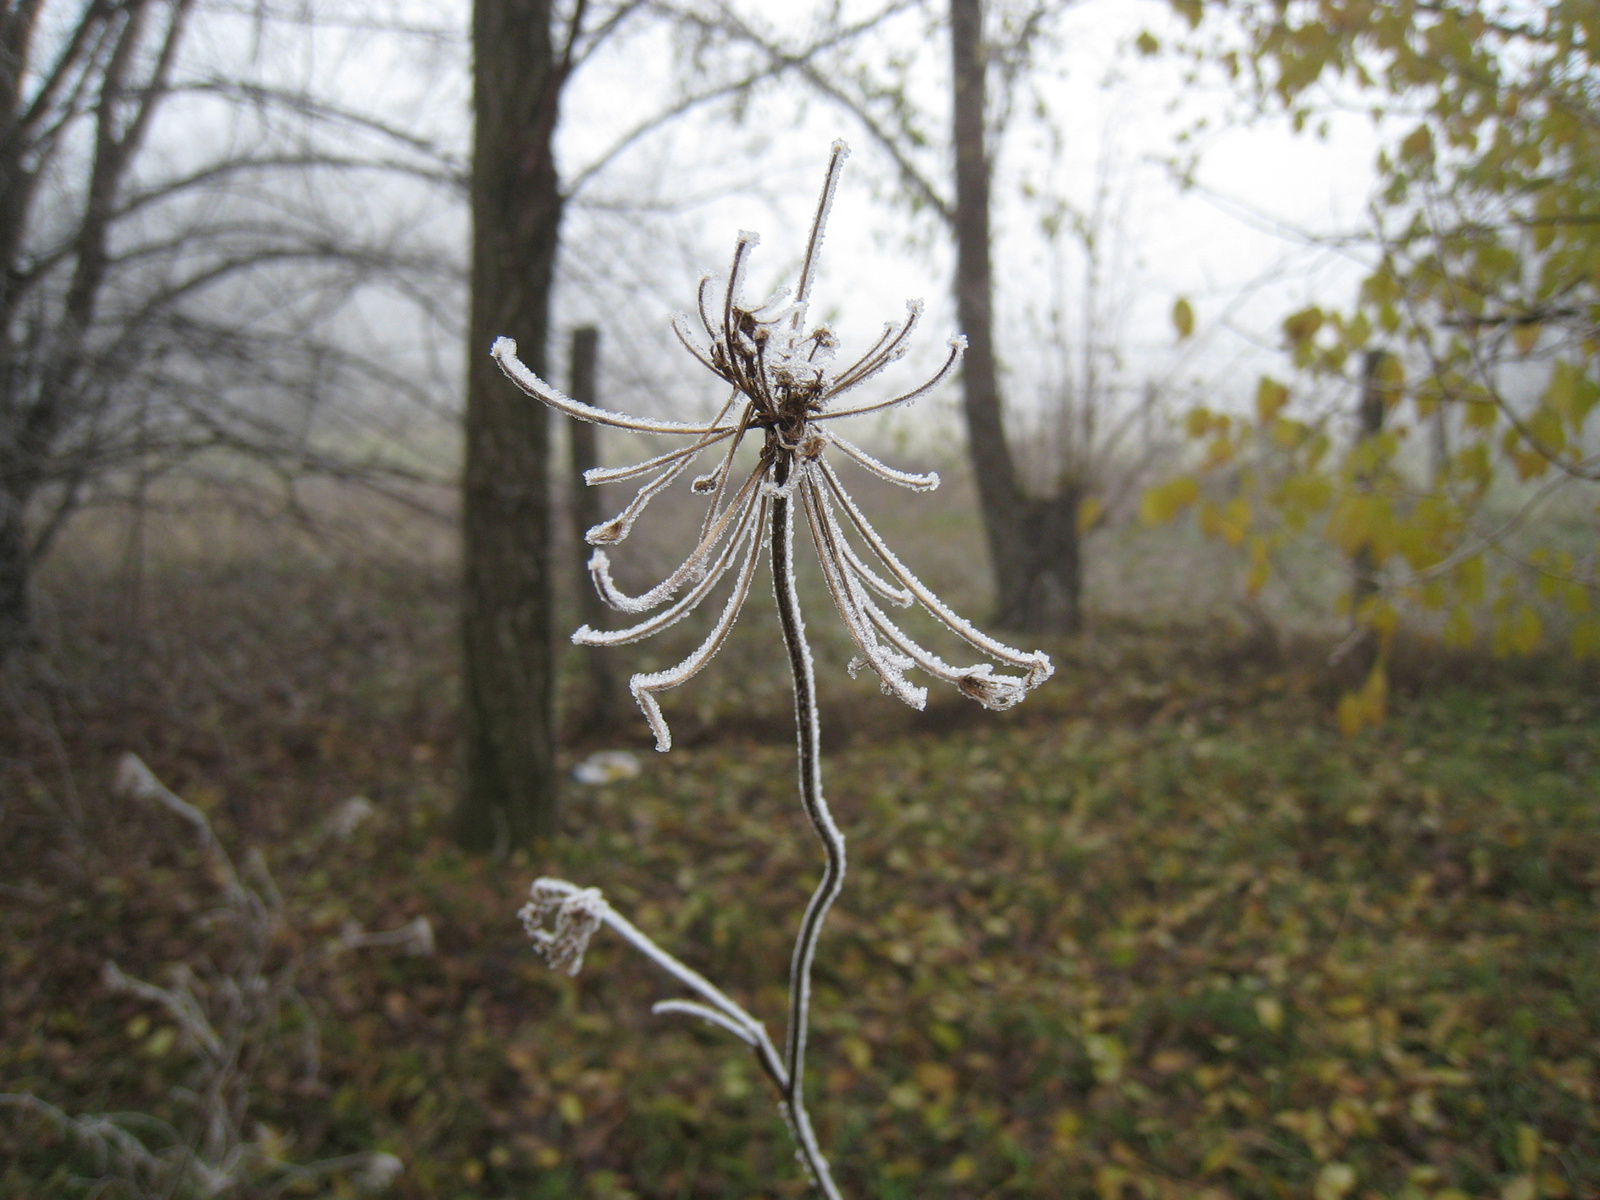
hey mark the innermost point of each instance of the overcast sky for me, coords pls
(1230, 245)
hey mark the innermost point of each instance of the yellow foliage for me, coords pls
(1302, 326)
(1480, 413)
(1271, 396)
(1183, 318)
(1269, 1011)
(1166, 500)
(1391, 379)
(1526, 631)
(1586, 639)
(1335, 1181)
(1368, 706)
(1260, 566)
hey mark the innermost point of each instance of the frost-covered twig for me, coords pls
(783, 390)
(225, 1020)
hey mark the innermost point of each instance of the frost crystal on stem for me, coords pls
(785, 390)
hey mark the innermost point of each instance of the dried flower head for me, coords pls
(786, 391)
(577, 912)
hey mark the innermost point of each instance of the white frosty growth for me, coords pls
(783, 389)
(577, 913)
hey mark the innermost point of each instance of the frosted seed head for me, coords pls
(574, 915)
(996, 692)
(608, 533)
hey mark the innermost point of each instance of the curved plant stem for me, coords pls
(816, 809)
(821, 820)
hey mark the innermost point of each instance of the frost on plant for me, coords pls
(786, 391)
(578, 913)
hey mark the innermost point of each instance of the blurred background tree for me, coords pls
(174, 251)
(1033, 540)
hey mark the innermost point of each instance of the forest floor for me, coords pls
(1160, 932)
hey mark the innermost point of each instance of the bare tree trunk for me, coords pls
(1369, 424)
(15, 573)
(1033, 544)
(509, 780)
(600, 701)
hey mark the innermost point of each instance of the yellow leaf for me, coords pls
(1271, 396)
(1391, 378)
(1302, 326)
(1108, 1181)
(1418, 144)
(858, 1052)
(1526, 337)
(1349, 714)
(1528, 1146)
(1481, 414)
(1166, 500)
(1146, 43)
(1089, 513)
(1107, 1056)
(1523, 1187)
(1335, 1181)
(1383, 619)
(570, 1108)
(1219, 1156)
(1064, 1129)
(1269, 1011)
(1234, 521)
(1183, 318)
(1368, 706)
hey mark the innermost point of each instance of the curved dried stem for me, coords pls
(690, 569)
(958, 347)
(906, 479)
(504, 352)
(816, 809)
(645, 685)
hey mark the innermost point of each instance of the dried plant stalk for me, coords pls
(784, 391)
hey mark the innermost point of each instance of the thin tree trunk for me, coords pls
(600, 700)
(509, 780)
(15, 573)
(1369, 424)
(1033, 544)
